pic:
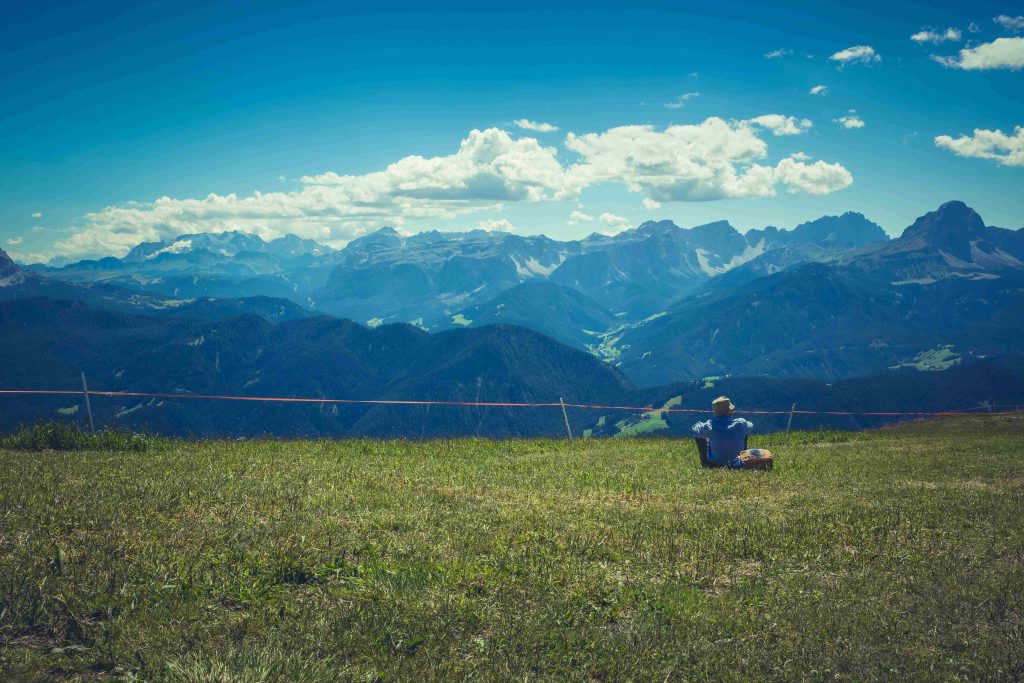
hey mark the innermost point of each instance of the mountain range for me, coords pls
(434, 278)
(948, 280)
(830, 300)
(45, 344)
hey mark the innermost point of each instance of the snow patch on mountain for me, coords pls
(176, 247)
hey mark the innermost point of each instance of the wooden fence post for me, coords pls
(565, 416)
(88, 406)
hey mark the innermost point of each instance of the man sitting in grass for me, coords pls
(726, 434)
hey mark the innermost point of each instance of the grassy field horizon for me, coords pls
(894, 553)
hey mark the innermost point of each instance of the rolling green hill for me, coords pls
(892, 554)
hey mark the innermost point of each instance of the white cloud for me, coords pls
(1010, 23)
(973, 28)
(680, 102)
(579, 217)
(819, 90)
(496, 225)
(856, 54)
(817, 178)
(929, 36)
(775, 54)
(535, 126)
(282, 179)
(490, 167)
(14, 241)
(613, 221)
(37, 214)
(1006, 150)
(1001, 53)
(715, 159)
(31, 257)
(650, 204)
(852, 120)
(781, 125)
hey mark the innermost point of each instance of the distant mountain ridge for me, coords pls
(45, 344)
(17, 283)
(832, 298)
(429, 277)
(948, 280)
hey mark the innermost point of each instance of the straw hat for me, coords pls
(722, 406)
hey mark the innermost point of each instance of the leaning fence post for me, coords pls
(790, 423)
(88, 406)
(565, 416)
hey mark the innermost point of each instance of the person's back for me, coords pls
(726, 434)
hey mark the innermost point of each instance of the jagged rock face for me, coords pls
(947, 279)
(828, 300)
(951, 240)
(10, 273)
(431, 276)
(834, 297)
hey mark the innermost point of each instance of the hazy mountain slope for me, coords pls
(227, 264)
(46, 344)
(815, 314)
(494, 364)
(20, 283)
(558, 312)
(952, 241)
(849, 230)
(431, 276)
(948, 280)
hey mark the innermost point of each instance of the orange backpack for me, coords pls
(756, 459)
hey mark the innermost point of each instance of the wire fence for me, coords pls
(988, 407)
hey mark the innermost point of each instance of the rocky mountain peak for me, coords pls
(655, 228)
(952, 220)
(384, 237)
(10, 272)
(850, 228)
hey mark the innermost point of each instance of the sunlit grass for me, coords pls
(893, 554)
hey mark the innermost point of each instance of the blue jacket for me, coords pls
(725, 435)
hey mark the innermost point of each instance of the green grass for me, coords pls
(939, 358)
(60, 436)
(647, 423)
(894, 554)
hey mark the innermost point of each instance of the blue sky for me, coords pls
(285, 117)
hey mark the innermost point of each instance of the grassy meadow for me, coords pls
(894, 554)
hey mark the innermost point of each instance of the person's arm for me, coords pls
(702, 429)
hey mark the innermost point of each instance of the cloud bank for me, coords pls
(851, 120)
(1001, 53)
(1010, 23)
(927, 36)
(1006, 150)
(535, 126)
(680, 102)
(713, 159)
(857, 54)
